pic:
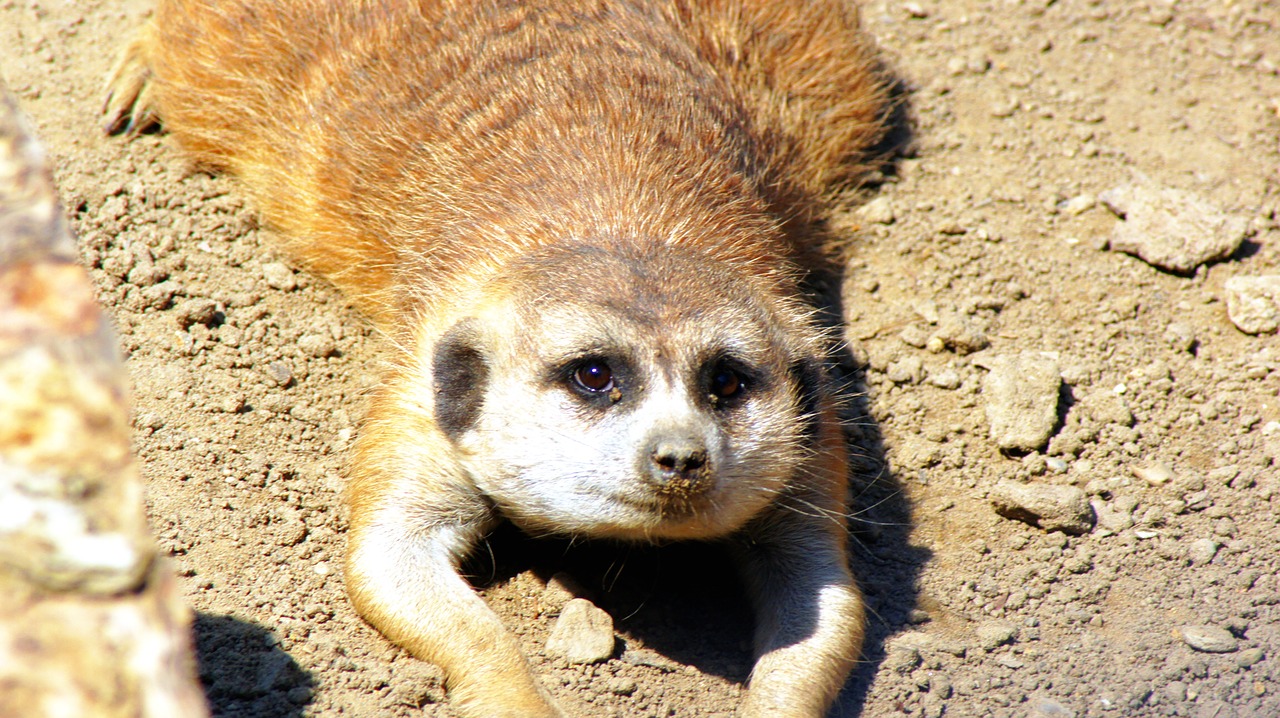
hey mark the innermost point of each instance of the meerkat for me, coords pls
(584, 227)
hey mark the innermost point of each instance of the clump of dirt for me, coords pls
(986, 240)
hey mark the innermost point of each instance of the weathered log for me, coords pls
(91, 620)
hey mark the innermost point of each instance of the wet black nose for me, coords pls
(678, 465)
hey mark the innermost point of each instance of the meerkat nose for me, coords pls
(678, 464)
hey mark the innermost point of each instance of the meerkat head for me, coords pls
(641, 394)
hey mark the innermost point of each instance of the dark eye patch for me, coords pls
(727, 380)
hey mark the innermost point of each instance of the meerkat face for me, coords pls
(627, 396)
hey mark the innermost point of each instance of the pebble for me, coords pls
(1253, 303)
(1250, 656)
(1041, 707)
(1180, 336)
(1202, 551)
(1079, 204)
(582, 634)
(908, 370)
(1155, 474)
(1052, 508)
(902, 659)
(957, 334)
(1208, 639)
(280, 373)
(1171, 229)
(1108, 408)
(279, 276)
(946, 378)
(317, 346)
(878, 211)
(1175, 691)
(1111, 518)
(1022, 400)
(195, 311)
(993, 634)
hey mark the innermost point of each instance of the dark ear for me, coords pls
(460, 375)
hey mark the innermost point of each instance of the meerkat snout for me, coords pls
(677, 464)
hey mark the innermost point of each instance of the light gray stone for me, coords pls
(1171, 229)
(582, 634)
(279, 276)
(1021, 394)
(1209, 639)
(1052, 508)
(1253, 303)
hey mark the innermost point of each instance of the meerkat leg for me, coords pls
(809, 618)
(414, 517)
(129, 107)
(404, 580)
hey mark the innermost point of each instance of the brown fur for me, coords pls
(434, 159)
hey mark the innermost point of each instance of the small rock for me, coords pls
(1022, 400)
(878, 211)
(915, 10)
(1175, 691)
(1009, 661)
(993, 634)
(195, 311)
(1171, 229)
(1180, 336)
(946, 378)
(622, 686)
(1107, 408)
(1041, 707)
(908, 370)
(280, 373)
(1110, 518)
(1078, 204)
(1202, 551)
(1253, 303)
(914, 336)
(1249, 657)
(957, 334)
(1052, 508)
(1209, 639)
(279, 276)
(902, 659)
(160, 296)
(317, 346)
(1156, 474)
(582, 634)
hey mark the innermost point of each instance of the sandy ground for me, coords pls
(985, 240)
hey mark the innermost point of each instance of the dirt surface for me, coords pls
(986, 240)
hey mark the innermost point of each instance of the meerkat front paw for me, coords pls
(129, 107)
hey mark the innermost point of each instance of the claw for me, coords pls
(128, 108)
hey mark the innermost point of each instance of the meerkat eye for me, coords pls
(594, 376)
(725, 383)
